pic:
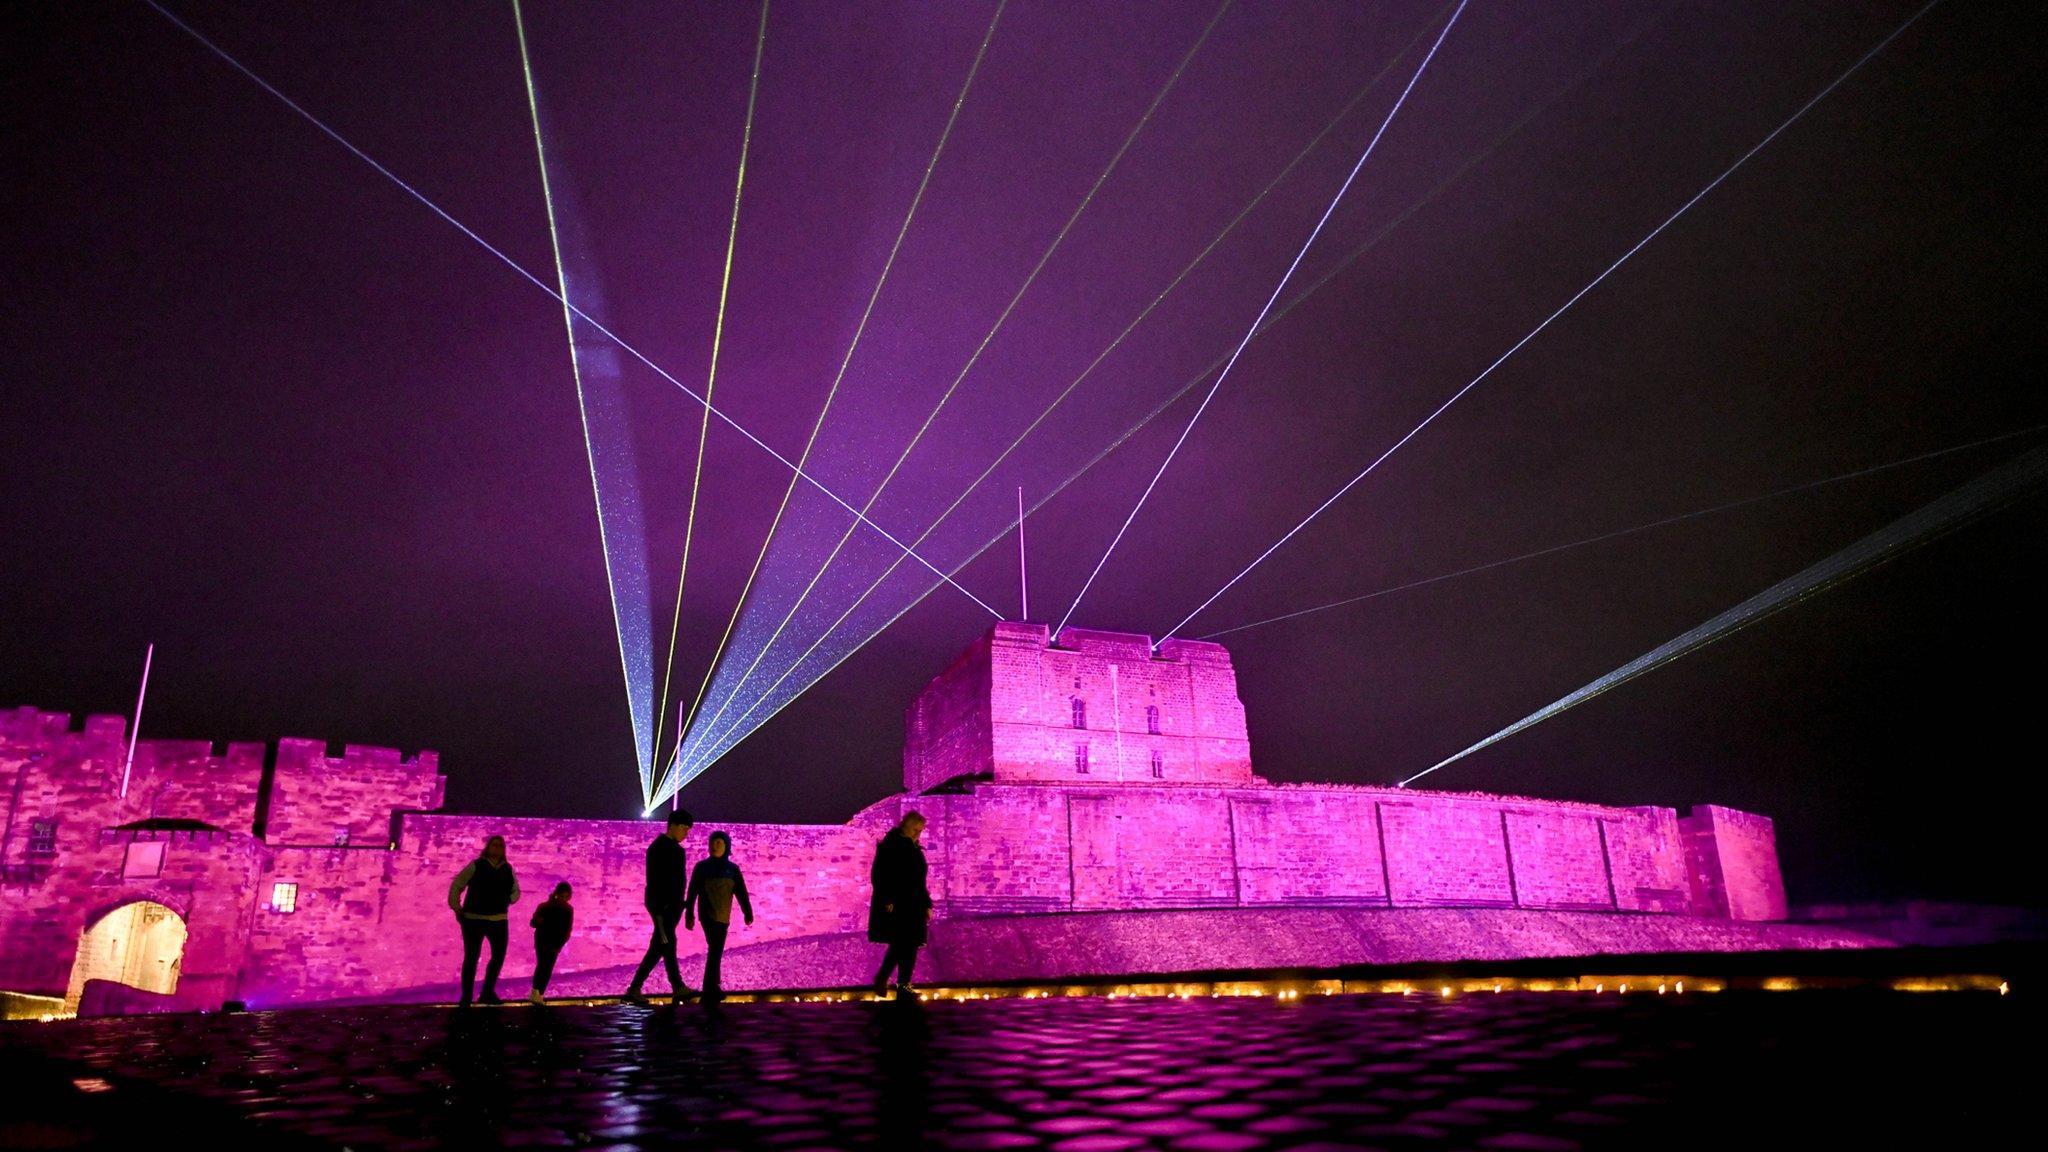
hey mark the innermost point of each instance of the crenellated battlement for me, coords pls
(28, 727)
(290, 792)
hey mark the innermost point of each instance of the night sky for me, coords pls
(265, 410)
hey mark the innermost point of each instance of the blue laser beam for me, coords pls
(542, 285)
(1617, 534)
(600, 405)
(732, 235)
(1562, 309)
(1981, 496)
(1268, 307)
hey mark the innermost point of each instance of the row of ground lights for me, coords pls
(1295, 990)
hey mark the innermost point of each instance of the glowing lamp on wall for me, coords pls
(284, 897)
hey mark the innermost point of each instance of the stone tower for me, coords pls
(1088, 707)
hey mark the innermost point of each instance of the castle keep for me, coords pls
(1079, 775)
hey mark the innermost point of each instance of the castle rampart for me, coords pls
(302, 876)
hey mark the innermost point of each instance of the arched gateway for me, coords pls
(140, 944)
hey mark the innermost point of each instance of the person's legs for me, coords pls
(498, 933)
(472, 944)
(714, 950)
(676, 987)
(653, 956)
(544, 953)
(906, 959)
(882, 974)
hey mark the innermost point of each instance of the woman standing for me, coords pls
(480, 896)
(901, 905)
(714, 884)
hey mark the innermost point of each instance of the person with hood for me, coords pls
(480, 897)
(551, 923)
(715, 884)
(668, 870)
(901, 904)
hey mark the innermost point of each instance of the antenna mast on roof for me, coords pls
(135, 728)
(1023, 576)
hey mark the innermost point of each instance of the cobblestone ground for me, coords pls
(1515, 1071)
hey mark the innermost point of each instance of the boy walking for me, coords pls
(714, 886)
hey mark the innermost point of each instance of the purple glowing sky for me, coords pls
(264, 410)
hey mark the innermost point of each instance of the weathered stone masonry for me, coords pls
(1090, 774)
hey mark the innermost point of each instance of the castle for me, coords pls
(1062, 777)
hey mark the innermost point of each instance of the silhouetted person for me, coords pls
(901, 905)
(551, 923)
(667, 872)
(714, 884)
(480, 896)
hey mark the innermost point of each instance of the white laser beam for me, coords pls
(1546, 322)
(1253, 330)
(1981, 496)
(537, 282)
(1059, 238)
(859, 329)
(1618, 533)
(635, 641)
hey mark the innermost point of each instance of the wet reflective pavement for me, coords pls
(1510, 1071)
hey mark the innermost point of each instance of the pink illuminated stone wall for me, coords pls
(316, 799)
(946, 732)
(374, 922)
(1309, 847)
(1646, 855)
(998, 848)
(1091, 706)
(302, 876)
(1733, 859)
(185, 836)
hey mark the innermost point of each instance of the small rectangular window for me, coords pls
(1081, 758)
(1152, 719)
(42, 838)
(1158, 765)
(144, 860)
(284, 897)
(1080, 712)
(341, 835)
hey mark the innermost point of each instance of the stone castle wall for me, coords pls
(1734, 864)
(1007, 849)
(201, 831)
(305, 876)
(374, 923)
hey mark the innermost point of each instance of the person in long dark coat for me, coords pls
(480, 896)
(901, 906)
